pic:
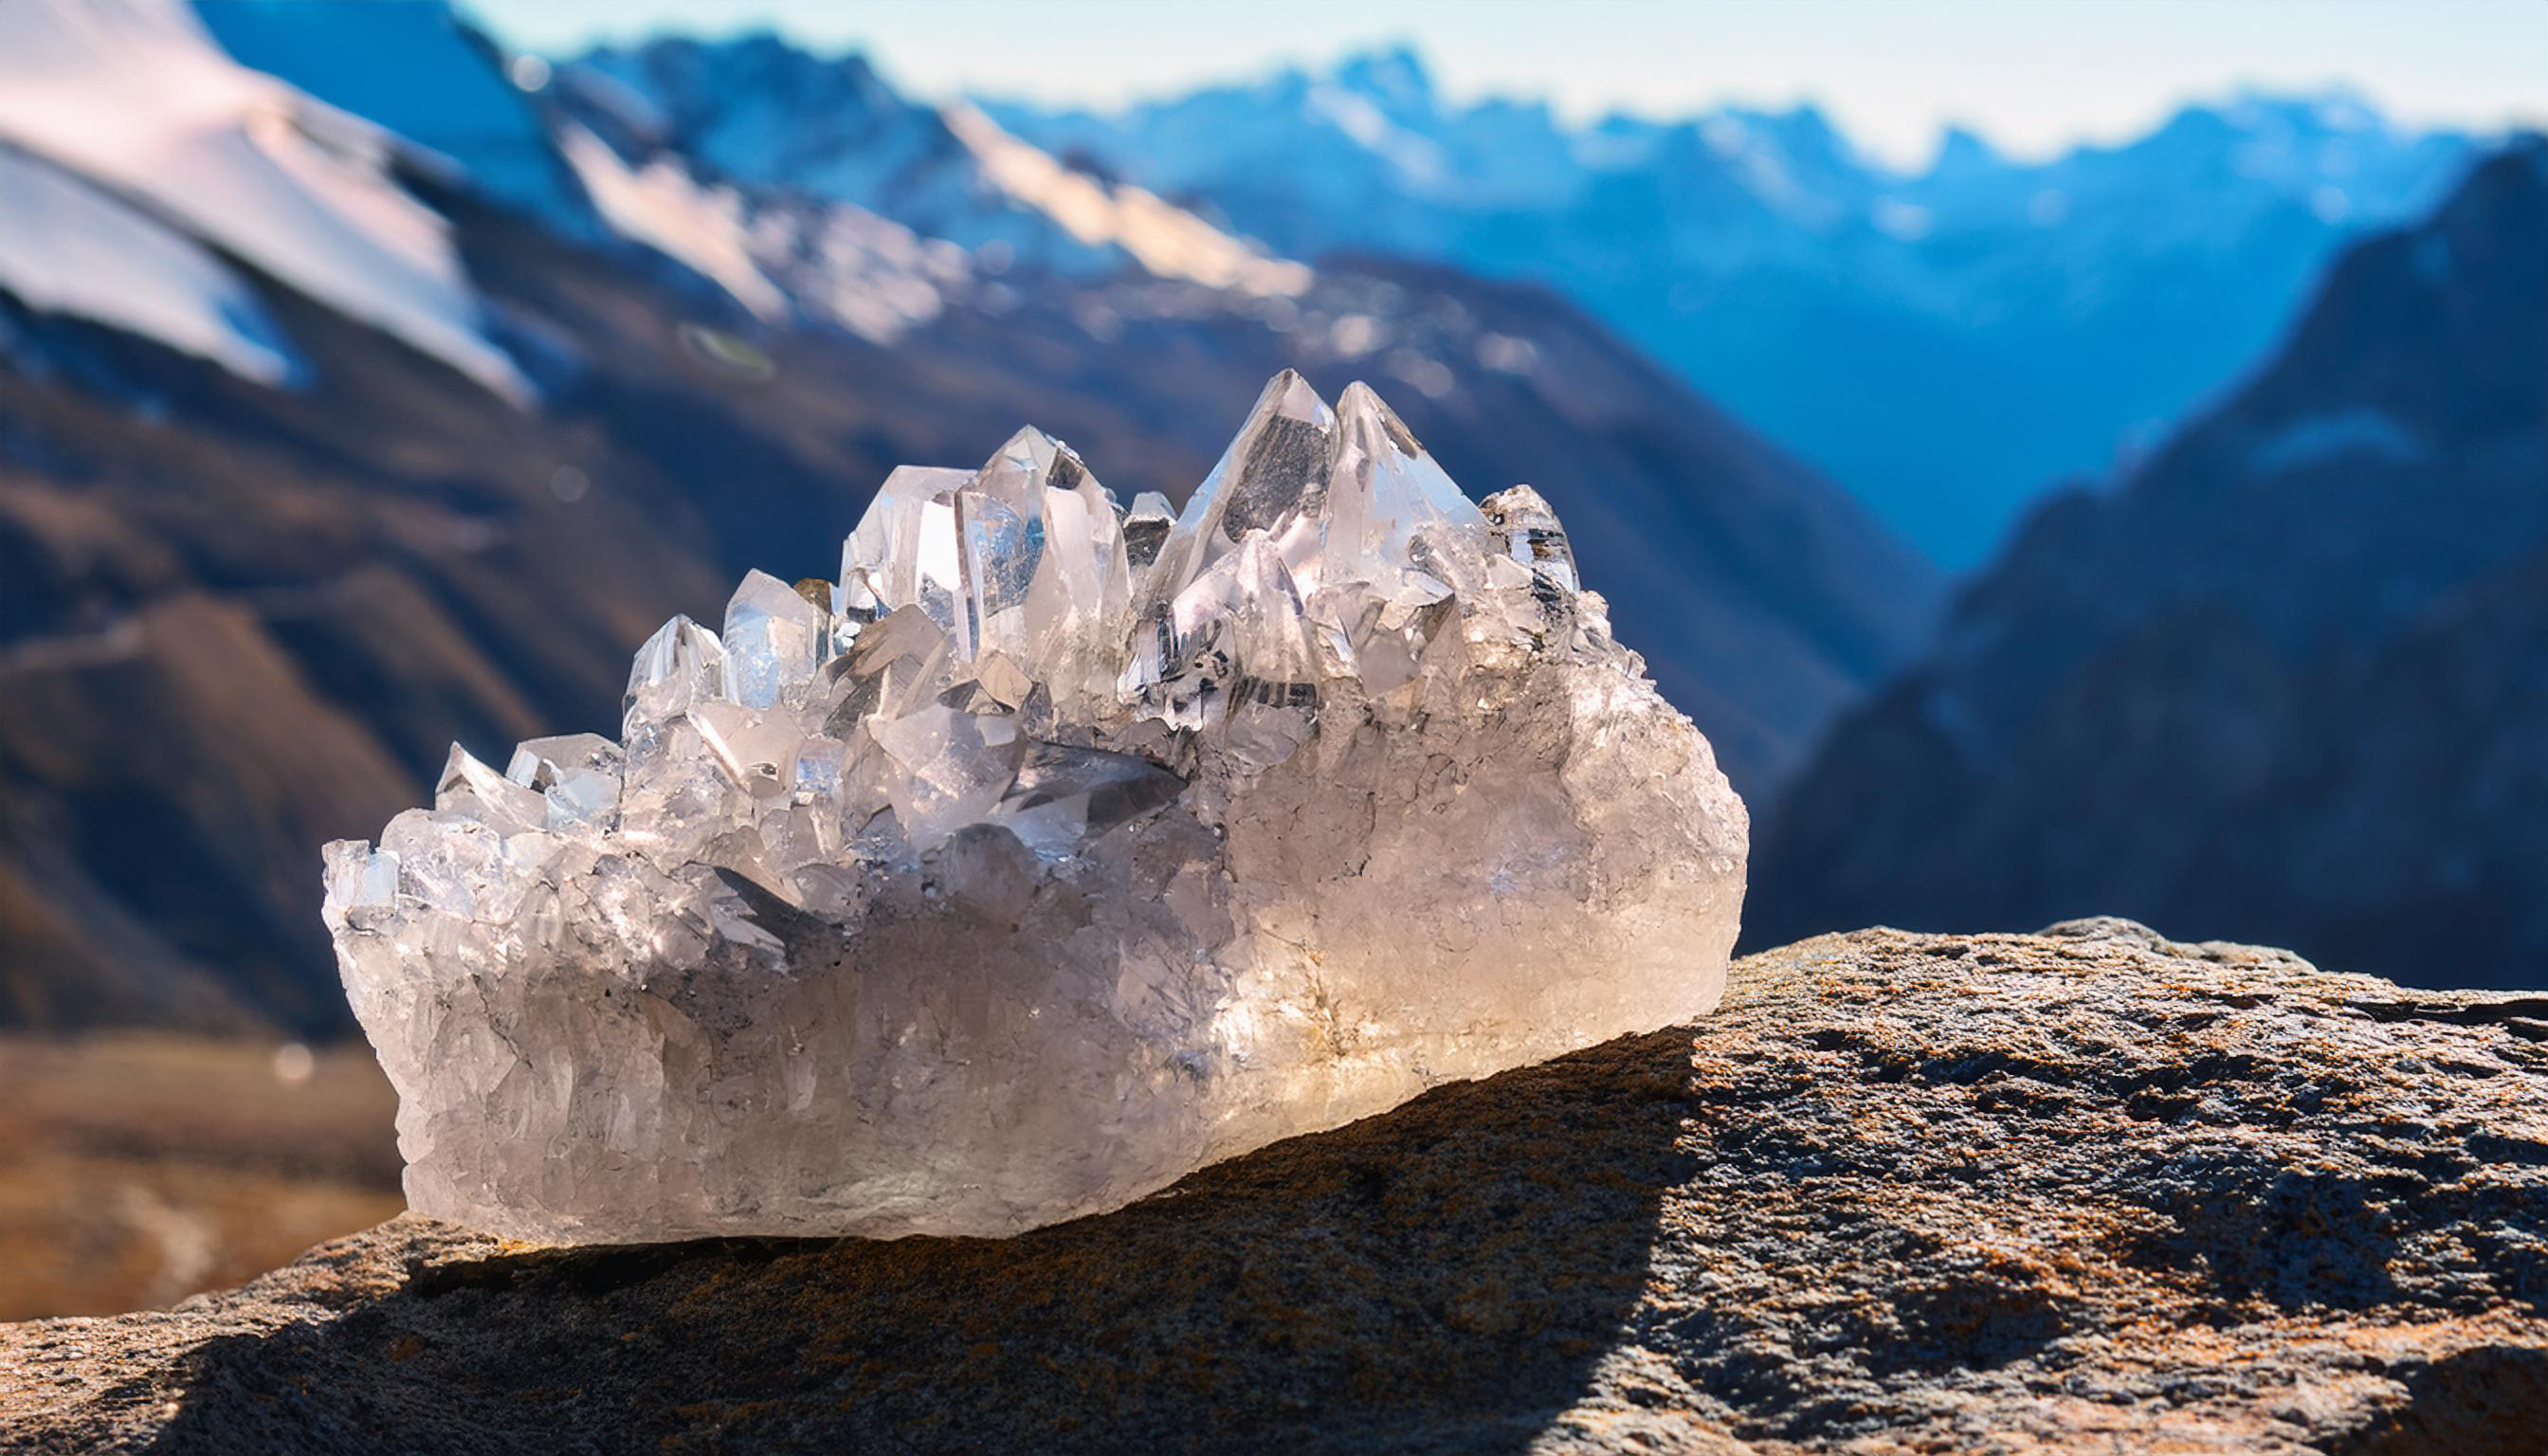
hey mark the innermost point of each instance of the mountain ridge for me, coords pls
(2281, 679)
(1942, 340)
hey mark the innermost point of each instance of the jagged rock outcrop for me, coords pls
(2089, 1190)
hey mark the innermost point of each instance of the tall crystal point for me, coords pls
(1053, 850)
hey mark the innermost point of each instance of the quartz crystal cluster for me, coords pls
(1053, 850)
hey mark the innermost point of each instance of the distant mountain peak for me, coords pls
(693, 81)
(1393, 75)
(2333, 107)
(1806, 120)
(1962, 152)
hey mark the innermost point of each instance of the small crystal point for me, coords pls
(1274, 473)
(537, 761)
(1387, 488)
(904, 550)
(774, 638)
(470, 788)
(358, 877)
(582, 798)
(1527, 529)
(1028, 461)
(1053, 851)
(681, 664)
(576, 776)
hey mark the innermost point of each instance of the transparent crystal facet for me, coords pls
(774, 639)
(1055, 850)
(683, 664)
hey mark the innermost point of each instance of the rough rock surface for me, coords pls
(2087, 1191)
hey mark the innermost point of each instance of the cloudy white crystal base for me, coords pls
(1112, 853)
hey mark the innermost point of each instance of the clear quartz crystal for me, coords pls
(1055, 850)
(773, 637)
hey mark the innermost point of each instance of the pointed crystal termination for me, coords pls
(1527, 530)
(1055, 850)
(577, 773)
(773, 638)
(683, 664)
(1272, 479)
(470, 788)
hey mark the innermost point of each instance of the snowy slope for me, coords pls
(135, 95)
(1163, 239)
(779, 258)
(761, 113)
(659, 204)
(413, 67)
(807, 189)
(66, 247)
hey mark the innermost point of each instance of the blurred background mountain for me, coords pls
(2155, 525)
(1984, 323)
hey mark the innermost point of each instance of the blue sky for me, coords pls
(2030, 74)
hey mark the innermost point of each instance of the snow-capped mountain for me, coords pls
(761, 113)
(138, 110)
(182, 142)
(324, 444)
(1946, 341)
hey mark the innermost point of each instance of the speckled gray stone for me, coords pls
(2089, 1191)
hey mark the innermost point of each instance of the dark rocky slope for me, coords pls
(2288, 684)
(2087, 1191)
